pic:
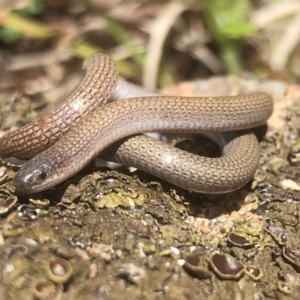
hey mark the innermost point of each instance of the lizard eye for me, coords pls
(42, 175)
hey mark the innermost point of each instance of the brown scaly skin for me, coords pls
(80, 132)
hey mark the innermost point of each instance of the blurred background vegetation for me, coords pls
(155, 42)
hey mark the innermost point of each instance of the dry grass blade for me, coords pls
(158, 32)
(37, 59)
(268, 14)
(28, 28)
(286, 44)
